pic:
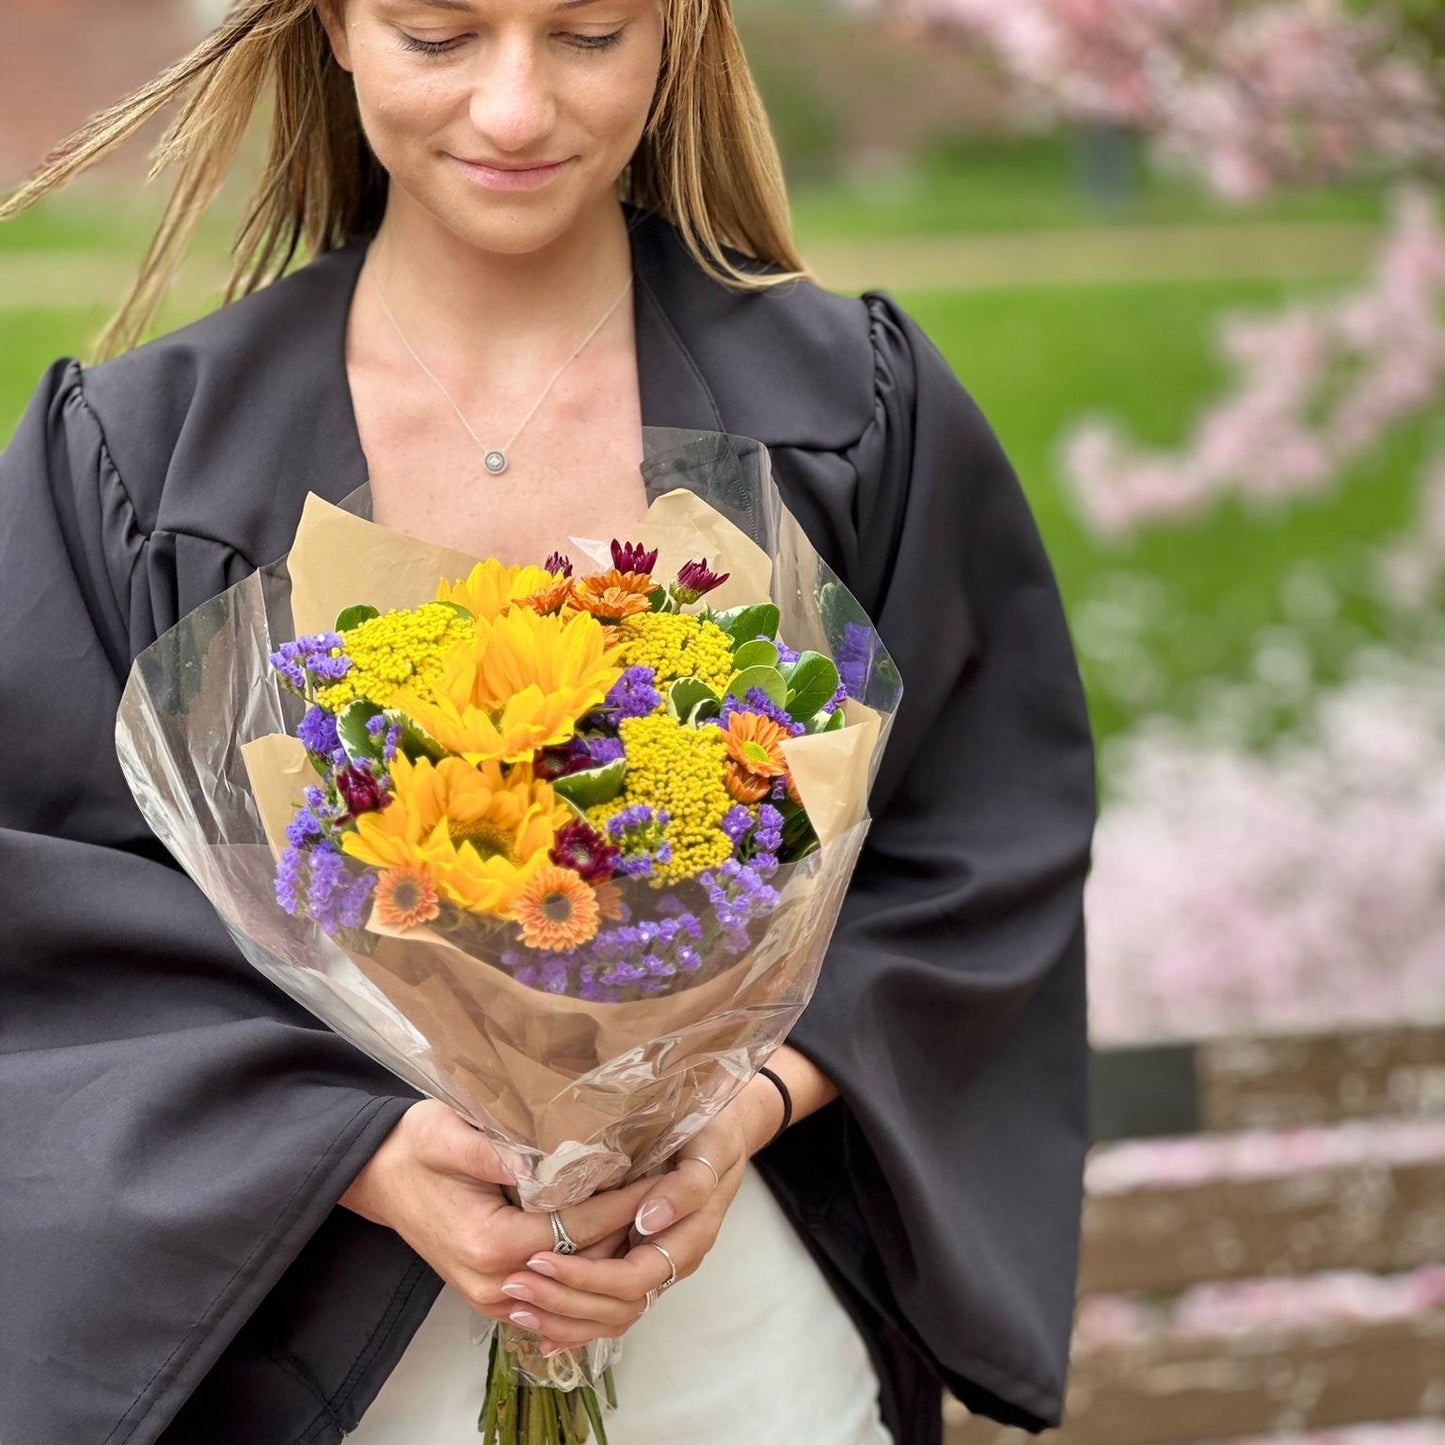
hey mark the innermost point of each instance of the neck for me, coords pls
(453, 292)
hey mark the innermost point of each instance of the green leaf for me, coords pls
(458, 609)
(756, 654)
(592, 785)
(354, 616)
(708, 707)
(742, 624)
(686, 694)
(813, 680)
(351, 724)
(769, 679)
(415, 741)
(828, 722)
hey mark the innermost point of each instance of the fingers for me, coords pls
(683, 1190)
(588, 1223)
(443, 1141)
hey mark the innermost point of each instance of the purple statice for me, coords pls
(737, 823)
(309, 660)
(757, 701)
(317, 731)
(640, 833)
(604, 750)
(738, 893)
(393, 741)
(855, 657)
(327, 888)
(354, 901)
(301, 829)
(634, 694)
(375, 726)
(787, 656)
(629, 955)
(289, 873)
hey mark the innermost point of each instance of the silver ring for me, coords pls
(650, 1299)
(562, 1242)
(671, 1265)
(707, 1163)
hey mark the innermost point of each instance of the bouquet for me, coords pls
(561, 845)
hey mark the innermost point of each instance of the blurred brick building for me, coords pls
(64, 60)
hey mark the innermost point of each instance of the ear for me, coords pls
(333, 21)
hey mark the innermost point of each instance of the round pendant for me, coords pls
(495, 463)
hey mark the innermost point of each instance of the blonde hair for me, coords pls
(707, 161)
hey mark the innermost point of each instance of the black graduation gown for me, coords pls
(176, 1132)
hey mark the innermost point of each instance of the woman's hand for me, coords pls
(438, 1183)
(682, 1211)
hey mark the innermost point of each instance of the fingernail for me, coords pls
(520, 1291)
(526, 1319)
(542, 1265)
(654, 1215)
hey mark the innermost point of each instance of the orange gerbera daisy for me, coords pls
(551, 597)
(754, 755)
(609, 900)
(406, 897)
(612, 595)
(556, 909)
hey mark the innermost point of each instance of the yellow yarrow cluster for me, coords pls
(677, 770)
(396, 650)
(676, 645)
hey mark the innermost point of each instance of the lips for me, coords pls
(510, 176)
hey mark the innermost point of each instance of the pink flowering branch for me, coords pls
(1251, 94)
(1315, 387)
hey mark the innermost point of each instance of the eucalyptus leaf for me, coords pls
(708, 707)
(591, 786)
(758, 653)
(769, 679)
(458, 609)
(812, 681)
(742, 624)
(350, 617)
(351, 724)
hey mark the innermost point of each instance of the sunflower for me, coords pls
(754, 755)
(613, 595)
(556, 909)
(521, 684)
(479, 832)
(490, 588)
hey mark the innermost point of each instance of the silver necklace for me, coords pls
(494, 459)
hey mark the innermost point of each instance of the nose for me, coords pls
(512, 104)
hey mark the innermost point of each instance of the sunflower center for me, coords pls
(556, 907)
(486, 837)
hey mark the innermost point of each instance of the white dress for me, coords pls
(752, 1349)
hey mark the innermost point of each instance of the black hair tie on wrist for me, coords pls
(787, 1101)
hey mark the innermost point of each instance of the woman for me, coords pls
(536, 227)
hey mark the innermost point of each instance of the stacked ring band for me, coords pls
(671, 1268)
(706, 1163)
(562, 1242)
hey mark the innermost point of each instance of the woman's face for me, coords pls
(508, 120)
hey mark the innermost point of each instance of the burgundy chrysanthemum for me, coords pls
(585, 851)
(633, 557)
(363, 793)
(558, 563)
(556, 762)
(694, 581)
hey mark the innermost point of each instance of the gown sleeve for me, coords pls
(944, 1187)
(174, 1129)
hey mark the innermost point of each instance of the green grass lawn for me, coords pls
(1036, 184)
